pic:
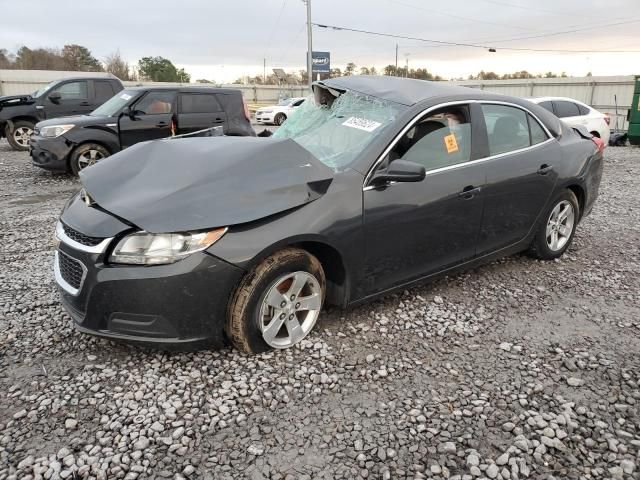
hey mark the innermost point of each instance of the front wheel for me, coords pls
(86, 155)
(279, 119)
(19, 137)
(277, 304)
(557, 227)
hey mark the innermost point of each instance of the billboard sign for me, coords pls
(321, 62)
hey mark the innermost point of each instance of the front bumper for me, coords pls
(50, 153)
(264, 118)
(181, 304)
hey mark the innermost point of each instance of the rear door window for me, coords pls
(104, 91)
(538, 135)
(507, 128)
(199, 103)
(566, 109)
(548, 105)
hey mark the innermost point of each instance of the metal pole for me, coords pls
(264, 71)
(309, 45)
(396, 59)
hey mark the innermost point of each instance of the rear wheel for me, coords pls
(19, 137)
(279, 119)
(557, 227)
(277, 304)
(86, 155)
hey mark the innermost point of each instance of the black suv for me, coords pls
(135, 115)
(60, 98)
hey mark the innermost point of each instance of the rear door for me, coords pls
(152, 116)
(197, 111)
(74, 100)
(520, 175)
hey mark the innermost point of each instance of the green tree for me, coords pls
(335, 72)
(391, 70)
(159, 69)
(79, 59)
(365, 71)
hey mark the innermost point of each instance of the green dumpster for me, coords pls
(634, 115)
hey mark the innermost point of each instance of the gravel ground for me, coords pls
(519, 369)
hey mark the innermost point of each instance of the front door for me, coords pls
(197, 111)
(415, 229)
(520, 177)
(73, 100)
(151, 118)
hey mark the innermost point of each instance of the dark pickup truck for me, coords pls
(135, 115)
(60, 98)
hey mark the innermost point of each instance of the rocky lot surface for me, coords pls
(518, 370)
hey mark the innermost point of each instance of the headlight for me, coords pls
(266, 111)
(143, 248)
(55, 130)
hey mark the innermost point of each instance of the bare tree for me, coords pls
(115, 65)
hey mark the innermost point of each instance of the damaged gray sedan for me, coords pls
(372, 185)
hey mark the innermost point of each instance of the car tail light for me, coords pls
(607, 118)
(246, 109)
(599, 143)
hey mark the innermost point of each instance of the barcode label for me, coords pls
(361, 124)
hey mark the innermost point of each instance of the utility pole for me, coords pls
(406, 73)
(309, 45)
(396, 60)
(264, 71)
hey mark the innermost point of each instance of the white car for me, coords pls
(576, 113)
(277, 114)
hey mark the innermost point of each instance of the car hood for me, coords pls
(15, 100)
(187, 184)
(78, 121)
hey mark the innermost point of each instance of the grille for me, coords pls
(70, 270)
(81, 237)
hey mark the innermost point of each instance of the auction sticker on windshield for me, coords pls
(361, 124)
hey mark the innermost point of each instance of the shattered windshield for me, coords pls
(336, 134)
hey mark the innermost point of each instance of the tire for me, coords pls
(18, 138)
(276, 277)
(86, 155)
(279, 119)
(542, 246)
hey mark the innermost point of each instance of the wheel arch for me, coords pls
(578, 191)
(332, 261)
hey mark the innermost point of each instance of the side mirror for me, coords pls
(129, 112)
(400, 171)
(55, 97)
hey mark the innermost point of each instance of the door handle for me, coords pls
(84, 104)
(469, 192)
(162, 124)
(544, 169)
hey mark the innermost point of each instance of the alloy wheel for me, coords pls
(290, 309)
(21, 135)
(88, 158)
(560, 225)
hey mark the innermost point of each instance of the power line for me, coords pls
(472, 45)
(459, 17)
(275, 27)
(537, 9)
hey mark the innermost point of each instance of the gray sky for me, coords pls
(221, 40)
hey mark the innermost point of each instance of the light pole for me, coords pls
(309, 45)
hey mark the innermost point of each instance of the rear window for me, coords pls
(566, 109)
(199, 103)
